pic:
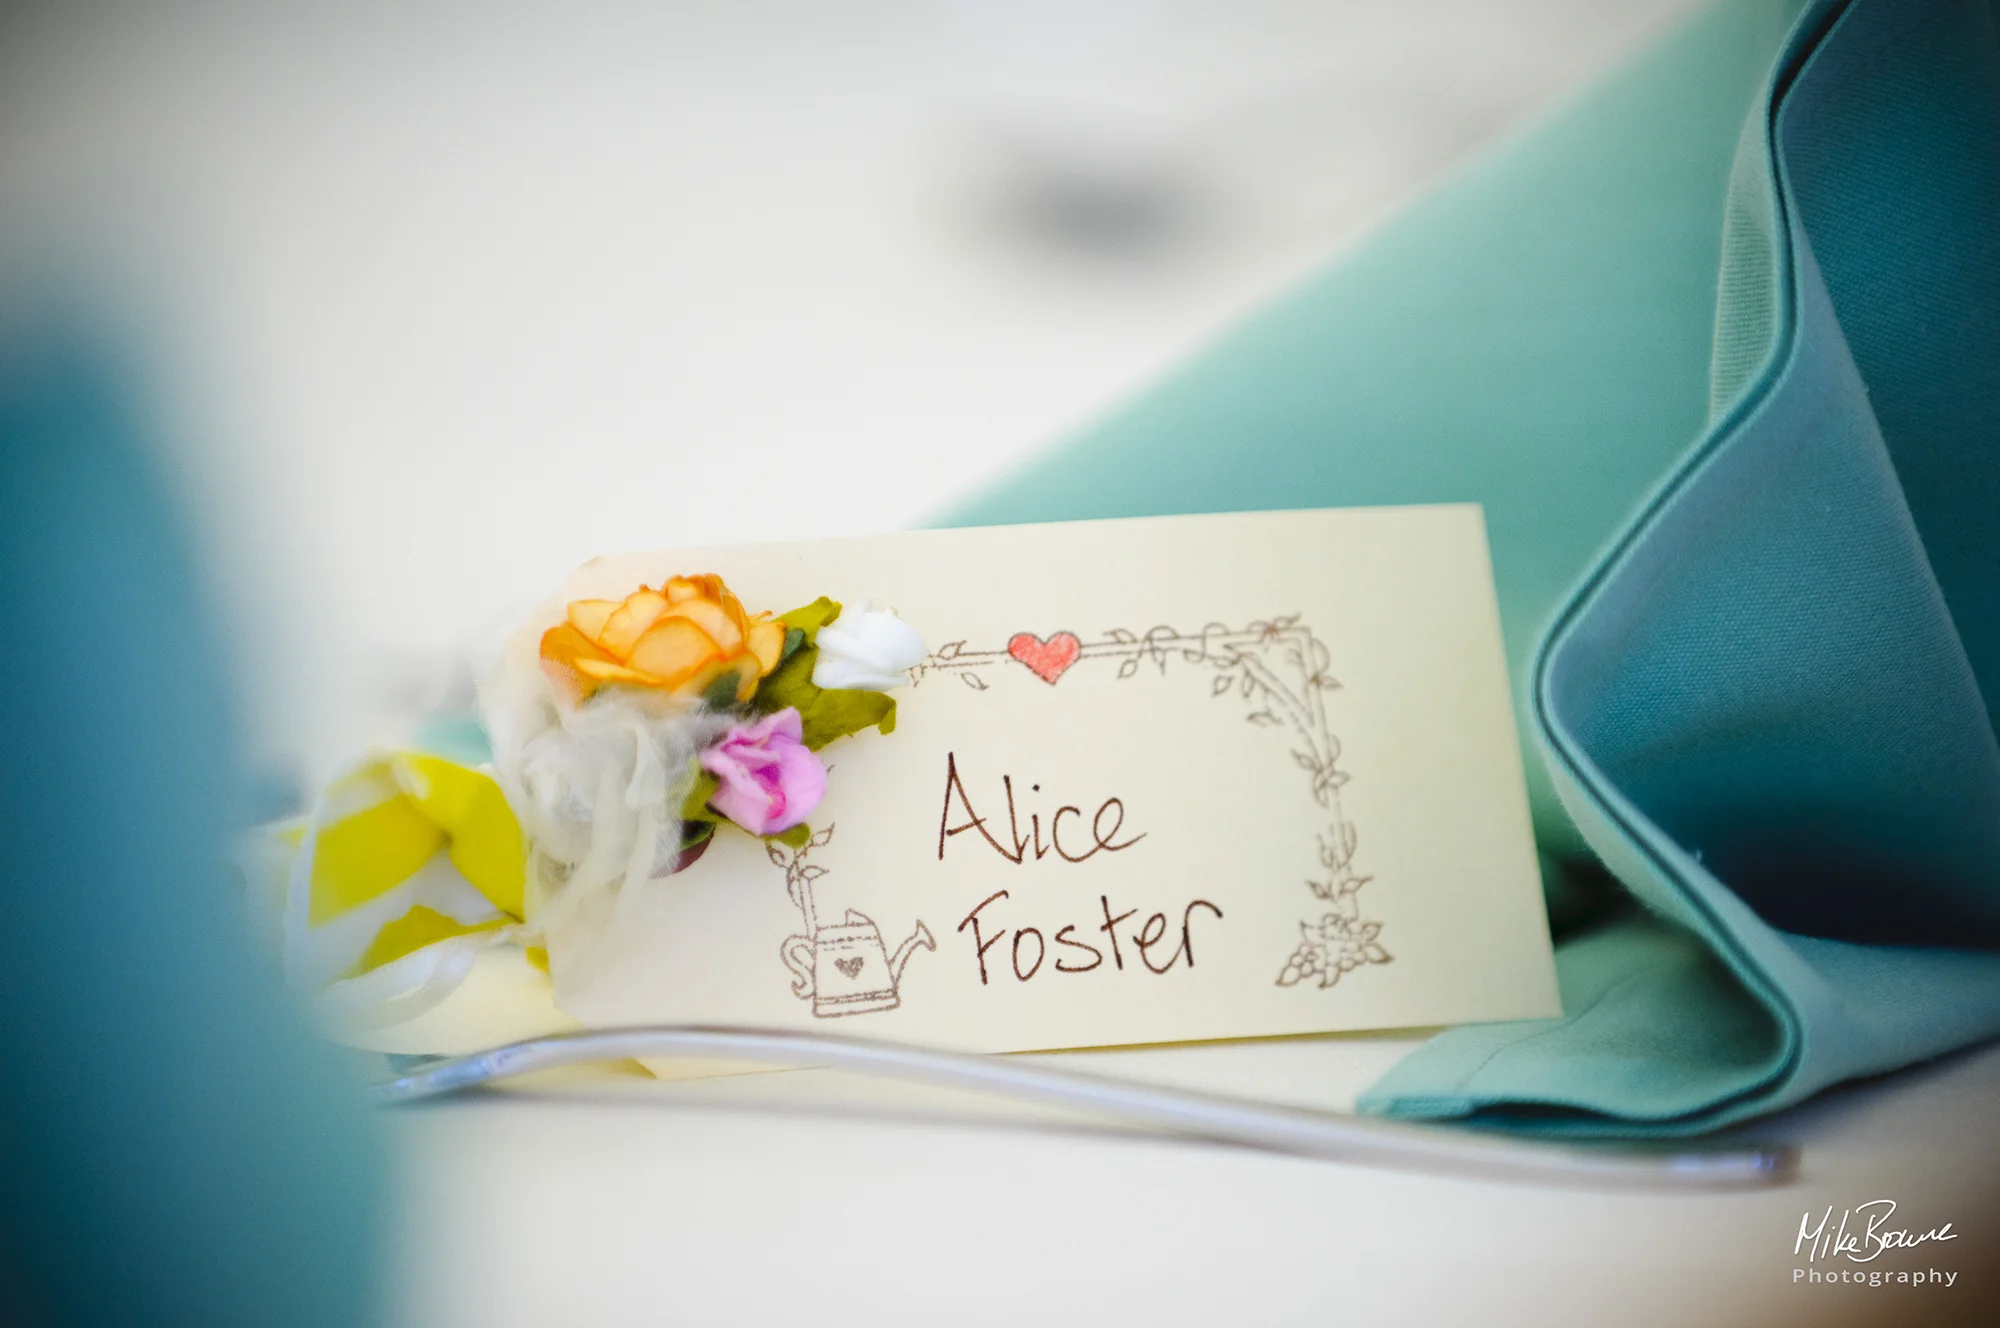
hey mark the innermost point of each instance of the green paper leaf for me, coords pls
(824, 713)
(695, 806)
(790, 684)
(696, 832)
(836, 714)
(809, 618)
(795, 837)
(794, 638)
(721, 694)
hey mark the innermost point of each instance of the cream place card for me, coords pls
(1145, 781)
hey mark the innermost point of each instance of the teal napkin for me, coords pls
(1746, 536)
(174, 1147)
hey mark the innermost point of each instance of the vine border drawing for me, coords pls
(1256, 663)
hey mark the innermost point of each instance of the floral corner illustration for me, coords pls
(1281, 670)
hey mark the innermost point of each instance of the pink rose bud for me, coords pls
(769, 781)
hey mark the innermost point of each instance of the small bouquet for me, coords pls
(635, 732)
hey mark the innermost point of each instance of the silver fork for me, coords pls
(1317, 1134)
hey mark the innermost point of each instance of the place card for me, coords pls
(1153, 780)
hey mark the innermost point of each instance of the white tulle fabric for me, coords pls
(598, 789)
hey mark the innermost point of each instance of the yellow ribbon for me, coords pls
(407, 867)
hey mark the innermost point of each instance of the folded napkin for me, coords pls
(1744, 536)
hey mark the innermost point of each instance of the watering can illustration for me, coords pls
(846, 969)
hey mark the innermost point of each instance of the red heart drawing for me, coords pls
(1048, 659)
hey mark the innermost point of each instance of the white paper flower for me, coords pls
(867, 648)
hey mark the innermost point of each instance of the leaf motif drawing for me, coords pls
(776, 854)
(811, 873)
(822, 839)
(1281, 670)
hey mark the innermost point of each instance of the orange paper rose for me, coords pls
(689, 639)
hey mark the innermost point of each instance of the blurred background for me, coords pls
(430, 301)
(439, 299)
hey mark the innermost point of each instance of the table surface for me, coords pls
(442, 301)
(809, 1196)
